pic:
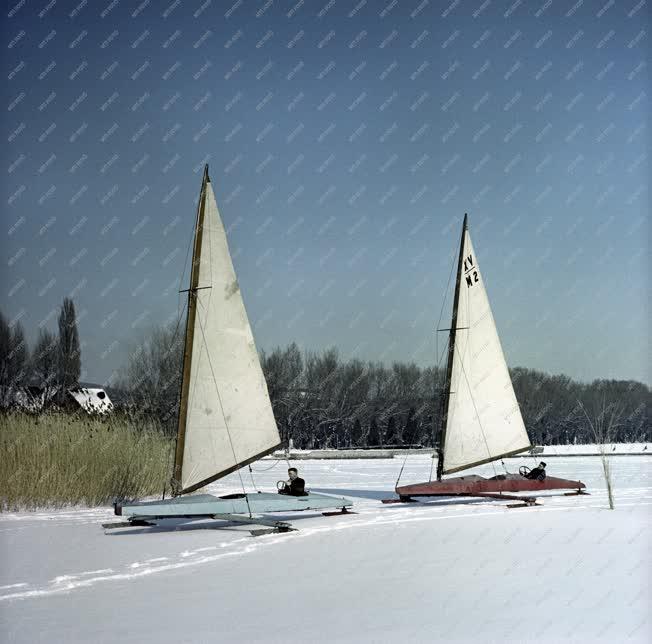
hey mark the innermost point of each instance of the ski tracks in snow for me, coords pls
(370, 516)
(134, 570)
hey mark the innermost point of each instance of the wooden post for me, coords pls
(189, 337)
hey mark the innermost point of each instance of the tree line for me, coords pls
(321, 400)
(53, 366)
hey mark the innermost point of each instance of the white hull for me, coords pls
(207, 505)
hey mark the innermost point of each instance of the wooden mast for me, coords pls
(451, 352)
(189, 337)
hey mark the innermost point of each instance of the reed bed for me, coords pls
(62, 460)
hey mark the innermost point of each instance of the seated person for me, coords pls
(294, 486)
(538, 473)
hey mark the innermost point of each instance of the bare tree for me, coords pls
(322, 372)
(380, 402)
(69, 353)
(18, 356)
(5, 343)
(604, 418)
(13, 359)
(355, 399)
(283, 369)
(152, 376)
(321, 400)
(44, 362)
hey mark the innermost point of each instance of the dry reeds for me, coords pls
(59, 460)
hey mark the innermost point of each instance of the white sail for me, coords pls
(228, 418)
(484, 422)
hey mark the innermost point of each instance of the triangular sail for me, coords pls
(483, 421)
(226, 418)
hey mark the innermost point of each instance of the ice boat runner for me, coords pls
(481, 421)
(226, 419)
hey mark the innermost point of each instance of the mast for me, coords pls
(189, 337)
(226, 418)
(451, 353)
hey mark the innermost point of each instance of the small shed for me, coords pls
(93, 400)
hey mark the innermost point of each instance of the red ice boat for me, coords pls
(481, 420)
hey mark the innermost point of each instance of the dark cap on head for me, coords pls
(293, 469)
(542, 463)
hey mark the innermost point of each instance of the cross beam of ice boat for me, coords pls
(225, 419)
(481, 420)
(239, 508)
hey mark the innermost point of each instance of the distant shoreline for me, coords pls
(551, 451)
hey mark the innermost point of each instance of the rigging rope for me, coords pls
(169, 349)
(438, 360)
(219, 398)
(174, 335)
(188, 247)
(441, 312)
(170, 450)
(484, 438)
(251, 475)
(438, 357)
(401, 471)
(267, 469)
(432, 466)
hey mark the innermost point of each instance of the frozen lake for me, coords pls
(568, 571)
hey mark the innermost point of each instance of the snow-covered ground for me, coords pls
(612, 449)
(568, 571)
(609, 448)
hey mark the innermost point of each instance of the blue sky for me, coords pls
(345, 143)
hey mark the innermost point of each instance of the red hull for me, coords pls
(474, 485)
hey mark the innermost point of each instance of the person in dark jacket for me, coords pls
(538, 473)
(294, 486)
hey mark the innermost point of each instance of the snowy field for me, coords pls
(612, 449)
(609, 448)
(568, 571)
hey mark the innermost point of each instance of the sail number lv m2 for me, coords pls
(470, 271)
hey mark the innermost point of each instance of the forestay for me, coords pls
(484, 421)
(226, 418)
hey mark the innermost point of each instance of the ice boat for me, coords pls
(225, 419)
(481, 421)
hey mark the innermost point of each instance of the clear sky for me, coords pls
(346, 140)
